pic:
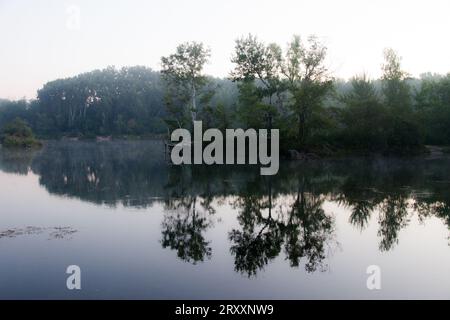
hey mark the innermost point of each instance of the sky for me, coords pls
(43, 40)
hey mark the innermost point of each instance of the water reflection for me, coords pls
(284, 214)
(294, 222)
(16, 161)
(184, 224)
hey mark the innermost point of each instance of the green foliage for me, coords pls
(255, 61)
(403, 136)
(252, 112)
(403, 131)
(291, 90)
(125, 102)
(383, 122)
(396, 90)
(18, 128)
(18, 134)
(364, 117)
(110, 101)
(433, 107)
(10, 110)
(371, 125)
(289, 86)
(182, 72)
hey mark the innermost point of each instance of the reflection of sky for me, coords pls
(120, 255)
(38, 47)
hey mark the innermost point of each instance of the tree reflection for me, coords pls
(17, 161)
(301, 226)
(187, 216)
(393, 217)
(361, 212)
(261, 236)
(182, 230)
(285, 215)
(307, 231)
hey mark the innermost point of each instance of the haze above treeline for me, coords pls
(51, 39)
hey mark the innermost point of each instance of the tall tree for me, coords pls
(182, 72)
(299, 74)
(308, 82)
(403, 129)
(364, 116)
(256, 61)
(396, 90)
(433, 105)
(258, 71)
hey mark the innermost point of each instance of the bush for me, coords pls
(18, 134)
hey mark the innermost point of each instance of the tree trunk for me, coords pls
(194, 104)
(301, 131)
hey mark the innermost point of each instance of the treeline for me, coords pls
(129, 101)
(102, 102)
(290, 89)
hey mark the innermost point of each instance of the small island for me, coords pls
(17, 134)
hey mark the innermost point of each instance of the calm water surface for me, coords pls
(139, 228)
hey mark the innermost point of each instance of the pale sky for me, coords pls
(42, 41)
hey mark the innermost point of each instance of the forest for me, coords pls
(290, 89)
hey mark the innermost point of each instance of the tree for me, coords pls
(102, 102)
(308, 82)
(256, 61)
(258, 73)
(432, 103)
(396, 90)
(11, 110)
(182, 72)
(364, 116)
(403, 131)
(299, 74)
